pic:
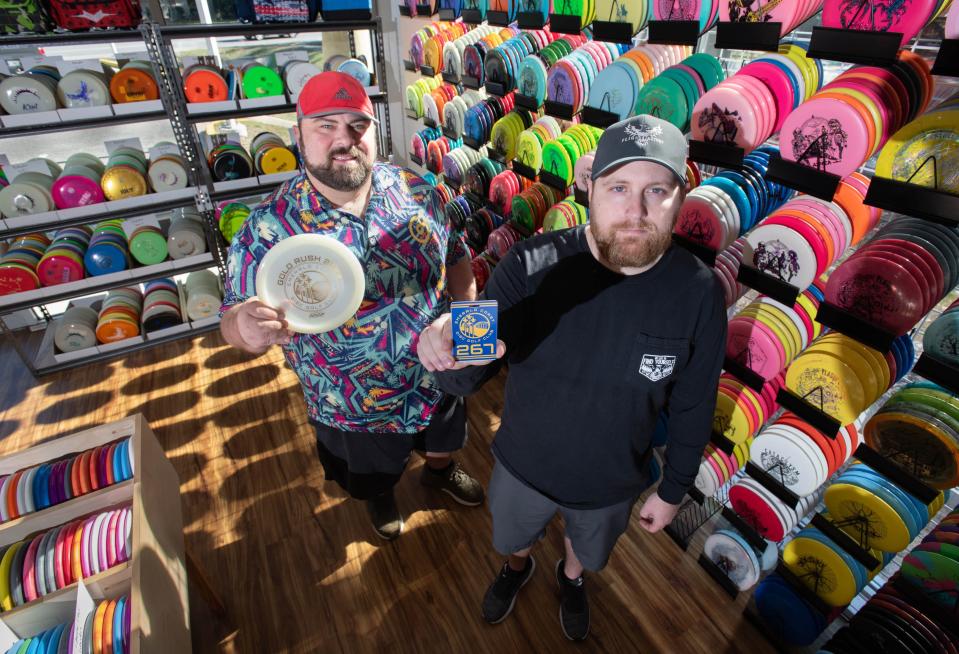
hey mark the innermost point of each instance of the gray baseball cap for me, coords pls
(641, 138)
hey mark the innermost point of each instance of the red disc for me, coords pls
(878, 291)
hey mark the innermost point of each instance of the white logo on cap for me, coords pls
(644, 133)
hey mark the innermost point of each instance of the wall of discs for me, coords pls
(823, 159)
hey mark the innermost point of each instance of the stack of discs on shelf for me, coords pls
(564, 214)
(203, 83)
(531, 76)
(203, 296)
(799, 456)
(570, 79)
(767, 335)
(437, 150)
(63, 260)
(119, 316)
(831, 573)
(125, 175)
(952, 22)
(271, 155)
(506, 131)
(296, 74)
(739, 560)
(80, 182)
(161, 305)
(83, 88)
(434, 103)
(259, 81)
(918, 428)
(30, 92)
(53, 483)
(480, 225)
(924, 151)
(230, 216)
(113, 617)
(741, 411)
(560, 155)
(908, 21)
(502, 239)
(529, 145)
(673, 94)
(168, 171)
(454, 50)
(840, 376)
(898, 276)
(479, 119)
(52, 640)
(479, 177)
(585, 10)
(438, 32)
(707, 13)
(229, 161)
(852, 117)
(86, 547)
(421, 139)
(877, 513)
(933, 565)
(334, 60)
(616, 88)
(148, 244)
(134, 82)
(502, 63)
(789, 15)
(76, 329)
(358, 70)
(786, 613)
(458, 209)
(457, 161)
(941, 338)
(29, 193)
(502, 189)
(636, 14)
(717, 468)
(528, 209)
(108, 251)
(482, 265)
(763, 511)
(454, 111)
(18, 267)
(726, 269)
(475, 53)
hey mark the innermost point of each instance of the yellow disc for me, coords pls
(741, 452)
(855, 360)
(793, 329)
(122, 182)
(811, 310)
(828, 384)
(744, 391)
(730, 419)
(916, 445)
(821, 569)
(910, 153)
(6, 599)
(718, 458)
(808, 69)
(277, 160)
(883, 527)
(878, 363)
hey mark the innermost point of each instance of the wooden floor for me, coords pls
(296, 563)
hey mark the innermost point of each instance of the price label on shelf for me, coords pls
(30, 61)
(4, 67)
(161, 149)
(124, 58)
(133, 142)
(205, 60)
(12, 171)
(131, 225)
(283, 58)
(65, 67)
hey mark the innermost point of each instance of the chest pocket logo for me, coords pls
(655, 367)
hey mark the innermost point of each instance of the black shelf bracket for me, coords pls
(817, 418)
(719, 575)
(802, 178)
(947, 61)
(674, 32)
(745, 375)
(703, 253)
(914, 200)
(471, 82)
(447, 14)
(471, 16)
(409, 65)
(845, 541)
(803, 590)
(748, 36)
(526, 102)
(938, 371)
(721, 442)
(598, 117)
(581, 196)
(716, 154)
(405, 11)
(610, 32)
(425, 10)
(854, 46)
(531, 20)
(565, 24)
(496, 155)
(472, 143)
(747, 531)
(523, 170)
(855, 327)
(497, 89)
(552, 180)
(559, 110)
(449, 133)
(450, 78)
(429, 122)
(415, 159)
(765, 283)
(427, 70)
(767, 479)
(888, 469)
(497, 18)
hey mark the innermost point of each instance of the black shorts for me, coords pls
(368, 464)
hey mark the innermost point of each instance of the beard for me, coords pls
(629, 251)
(341, 176)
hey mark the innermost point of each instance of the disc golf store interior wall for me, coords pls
(823, 192)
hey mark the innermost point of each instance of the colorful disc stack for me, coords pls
(506, 131)
(480, 225)
(852, 117)
(740, 411)
(167, 172)
(259, 81)
(434, 102)
(560, 155)
(359, 71)
(502, 239)
(616, 88)
(824, 567)
(148, 244)
(230, 217)
(230, 161)
(421, 139)
(502, 63)
(932, 138)
(458, 209)
(529, 208)
(898, 276)
(570, 79)
(427, 44)
(767, 335)
(726, 270)
(18, 267)
(415, 92)
(202, 83)
(134, 82)
(76, 329)
(585, 10)
(161, 305)
(454, 111)
(296, 74)
(125, 175)
(457, 161)
(109, 627)
(672, 95)
(454, 50)
(475, 54)
(738, 559)
(786, 614)
(704, 11)
(108, 251)
(790, 15)
(203, 296)
(479, 177)
(80, 182)
(478, 120)
(767, 514)
(28, 193)
(63, 260)
(502, 189)
(62, 556)
(529, 145)
(952, 22)
(49, 641)
(564, 214)
(918, 428)
(941, 338)
(876, 512)
(119, 316)
(271, 155)
(717, 467)
(874, 16)
(799, 456)
(933, 565)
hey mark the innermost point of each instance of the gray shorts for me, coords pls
(520, 516)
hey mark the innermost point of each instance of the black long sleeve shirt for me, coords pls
(594, 357)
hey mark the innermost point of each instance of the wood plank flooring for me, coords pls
(297, 564)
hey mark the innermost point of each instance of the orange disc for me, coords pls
(75, 475)
(84, 474)
(815, 224)
(110, 331)
(133, 85)
(76, 562)
(205, 86)
(11, 497)
(94, 473)
(860, 215)
(922, 67)
(98, 618)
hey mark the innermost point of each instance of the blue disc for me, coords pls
(746, 186)
(614, 91)
(786, 613)
(737, 195)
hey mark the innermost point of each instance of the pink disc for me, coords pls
(878, 291)
(75, 191)
(59, 269)
(952, 22)
(724, 115)
(825, 134)
(753, 344)
(909, 17)
(885, 112)
(765, 102)
(775, 79)
(786, 13)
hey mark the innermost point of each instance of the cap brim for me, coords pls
(333, 112)
(596, 174)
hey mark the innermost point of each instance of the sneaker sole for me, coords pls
(459, 499)
(389, 538)
(513, 602)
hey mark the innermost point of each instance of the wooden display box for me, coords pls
(155, 576)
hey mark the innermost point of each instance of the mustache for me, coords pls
(351, 151)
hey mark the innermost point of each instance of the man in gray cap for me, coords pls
(604, 327)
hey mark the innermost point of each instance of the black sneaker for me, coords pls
(384, 515)
(456, 482)
(501, 595)
(573, 607)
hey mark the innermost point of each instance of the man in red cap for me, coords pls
(369, 398)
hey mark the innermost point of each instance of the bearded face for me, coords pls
(338, 150)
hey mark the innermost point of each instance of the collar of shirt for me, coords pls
(312, 202)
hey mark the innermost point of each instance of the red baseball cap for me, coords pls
(332, 92)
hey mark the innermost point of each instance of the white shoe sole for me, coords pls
(460, 500)
(388, 538)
